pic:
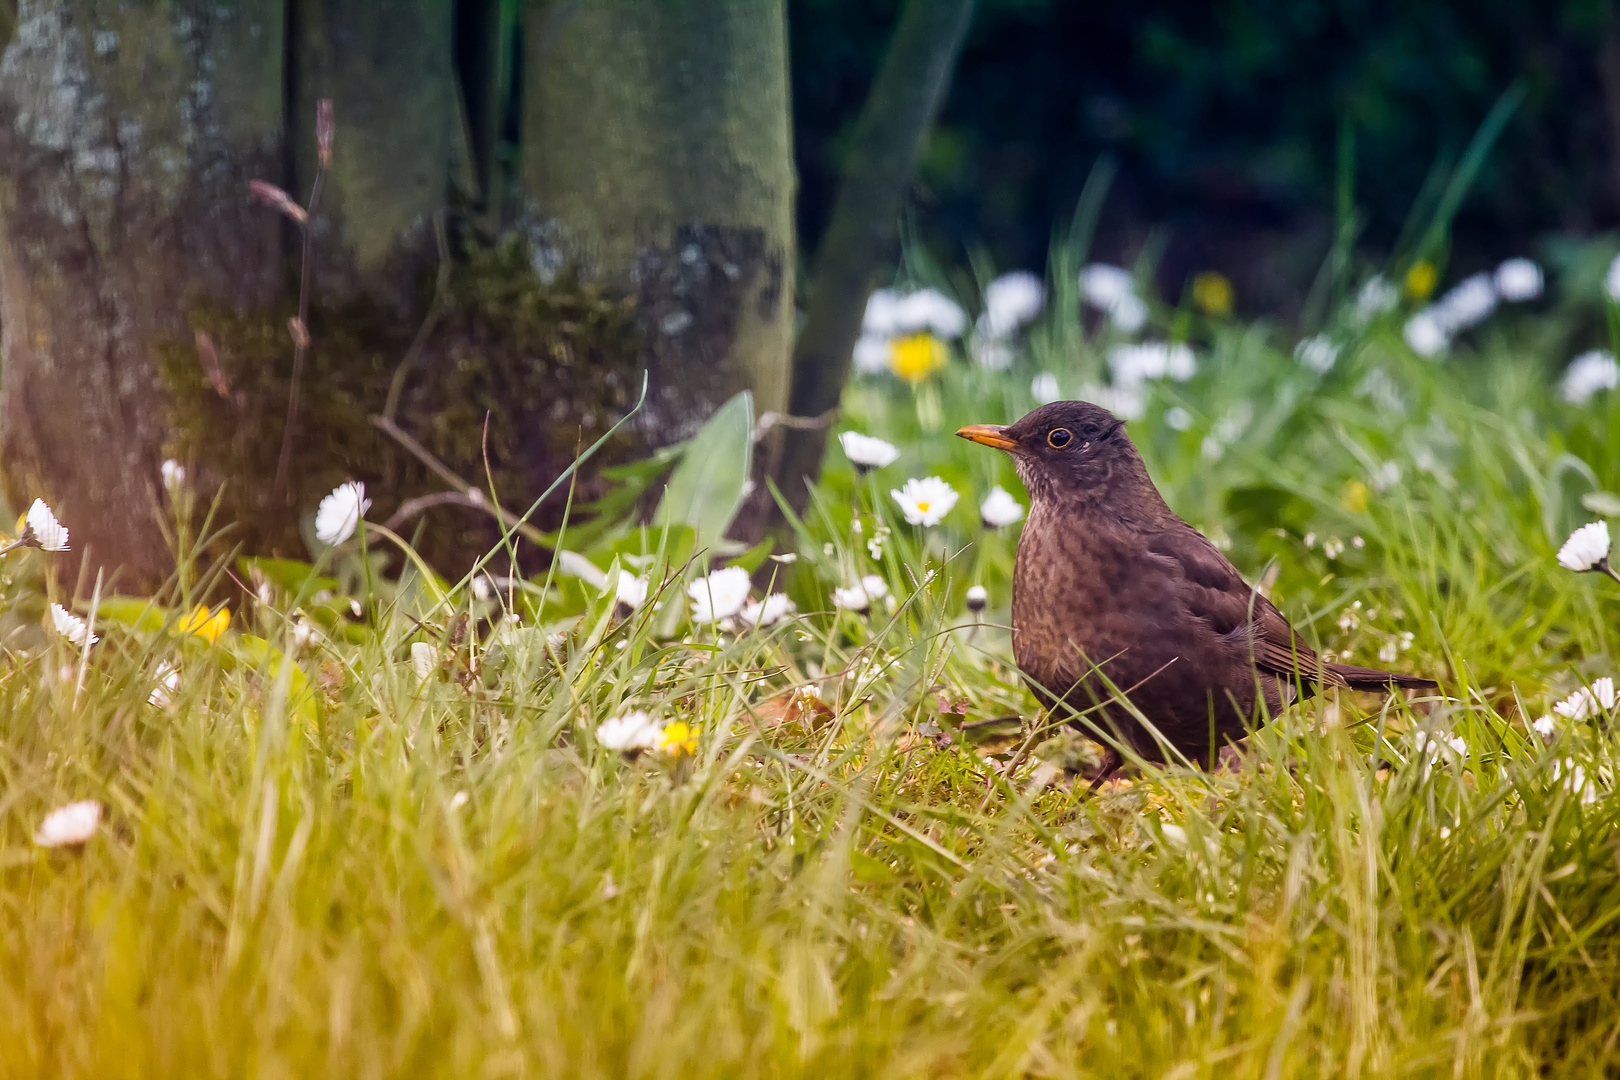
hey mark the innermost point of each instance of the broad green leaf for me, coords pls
(135, 612)
(256, 652)
(1606, 503)
(291, 575)
(706, 489)
(866, 868)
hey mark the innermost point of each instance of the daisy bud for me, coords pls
(277, 199)
(323, 131)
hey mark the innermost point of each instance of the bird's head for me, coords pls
(1065, 450)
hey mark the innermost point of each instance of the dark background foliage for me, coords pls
(1225, 121)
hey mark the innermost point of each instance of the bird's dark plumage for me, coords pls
(1108, 579)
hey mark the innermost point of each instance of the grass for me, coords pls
(340, 868)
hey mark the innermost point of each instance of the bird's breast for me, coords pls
(1075, 597)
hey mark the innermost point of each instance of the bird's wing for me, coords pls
(1215, 592)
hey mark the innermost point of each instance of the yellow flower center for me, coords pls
(200, 622)
(923, 506)
(1421, 279)
(1213, 293)
(917, 356)
(677, 739)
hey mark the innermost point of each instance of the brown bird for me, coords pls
(1111, 587)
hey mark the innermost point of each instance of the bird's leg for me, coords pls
(1112, 760)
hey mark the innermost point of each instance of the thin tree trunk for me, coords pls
(129, 133)
(657, 157)
(883, 157)
(485, 35)
(386, 65)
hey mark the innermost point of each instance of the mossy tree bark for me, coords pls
(900, 109)
(387, 67)
(129, 133)
(657, 157)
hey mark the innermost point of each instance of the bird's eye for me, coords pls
(1058, 438)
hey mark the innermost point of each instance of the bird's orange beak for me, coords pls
(988, 434)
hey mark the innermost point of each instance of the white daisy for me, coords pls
(1377, 296)
(1104, 285)
(168, 684)
(1178, 419)
(1518, 280)
(628, 734)
(1044, 388)
(1576, 782)
(47, 532)
(925, 501)
(859, 597)
(70, 825)
(1318, 353)
(1010, 301)
(424, 659)
(929, 310)
(1588, 701)
(1135, 363)
(1378, 385)
(1000, 508)
(1425, 334)
(1586, 547)
(629, 593)
(72, 627)
(1611, 280)
(1130, 314)
(867, 451)
(978, 598)
(1127, 401)
(304, 632)
(1545, 727)
(871, 355)
(340, 513)
(991, 353)
(1588, 373)
(1433, 745)
(773, 609)
(881, 319)
(174, 476)
(1469, 303)
(1151, 360)
(719, 595)
(853, 598)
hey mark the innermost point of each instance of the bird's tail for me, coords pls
(1364, 678)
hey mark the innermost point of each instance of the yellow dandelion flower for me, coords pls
(204, 623)
(1355, 497)
(677, 739)
(914, 357)
(1212, 292)
(1421, 279)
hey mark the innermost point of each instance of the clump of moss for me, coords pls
(551, 365)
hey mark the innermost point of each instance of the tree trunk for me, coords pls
(129, 133)
(899, 111)
(386, 66)
(657, 158)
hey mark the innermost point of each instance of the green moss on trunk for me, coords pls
(552, 366)
(386, 65)
(657, 156)
(128, 133)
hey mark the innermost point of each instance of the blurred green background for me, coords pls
(1226, 119)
